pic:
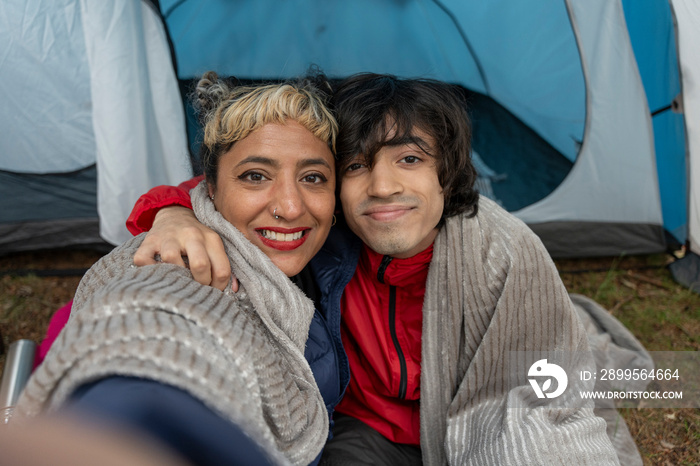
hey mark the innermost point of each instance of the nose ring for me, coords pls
(274, 213)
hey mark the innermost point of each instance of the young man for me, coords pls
(437, 298)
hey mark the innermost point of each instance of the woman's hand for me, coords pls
(177, 233)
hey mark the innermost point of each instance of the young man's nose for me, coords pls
(384, 180)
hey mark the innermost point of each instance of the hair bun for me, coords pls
(209, 93)
(317, 80)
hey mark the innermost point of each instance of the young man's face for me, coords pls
(394, 207)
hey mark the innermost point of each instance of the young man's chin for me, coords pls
(400, 245)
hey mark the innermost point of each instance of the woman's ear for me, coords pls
(210, 188)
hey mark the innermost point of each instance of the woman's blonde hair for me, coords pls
(230, 113)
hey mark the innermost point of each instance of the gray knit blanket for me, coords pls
(494, 305)
(241, 354)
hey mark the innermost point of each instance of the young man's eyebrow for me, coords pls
(405, 140)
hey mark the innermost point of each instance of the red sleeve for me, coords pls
(148, 205)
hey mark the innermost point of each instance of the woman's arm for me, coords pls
(176, 233)
(147, 206)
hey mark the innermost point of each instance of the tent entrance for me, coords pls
(520, 166)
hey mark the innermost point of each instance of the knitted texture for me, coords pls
(493, 295)
(241, 354)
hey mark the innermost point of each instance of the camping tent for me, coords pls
(91, 118)
(579, 119)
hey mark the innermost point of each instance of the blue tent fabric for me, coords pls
(521, 63)
(511, 149)
(471, 44)
(650, 26)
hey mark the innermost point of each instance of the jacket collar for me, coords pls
(397, 272)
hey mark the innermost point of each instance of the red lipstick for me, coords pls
(281, 244)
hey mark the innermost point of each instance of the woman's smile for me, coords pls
(284, 239)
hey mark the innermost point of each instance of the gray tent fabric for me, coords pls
(91, 119)
(686, 271)
(614, 347)
(50, 210)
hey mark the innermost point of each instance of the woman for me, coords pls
(154, 331)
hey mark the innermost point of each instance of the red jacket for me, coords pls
(382, 311)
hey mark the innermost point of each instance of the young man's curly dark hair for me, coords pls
(370, 106)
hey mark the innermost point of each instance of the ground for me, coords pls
(638, 290)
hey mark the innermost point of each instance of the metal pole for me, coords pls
(18, 368)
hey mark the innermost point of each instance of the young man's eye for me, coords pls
(411, 159)
(354, 166)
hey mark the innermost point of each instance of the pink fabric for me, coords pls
(58, 321)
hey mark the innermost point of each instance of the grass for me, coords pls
(664, 316)
(638, 290)
(28, 302)
(640, 293)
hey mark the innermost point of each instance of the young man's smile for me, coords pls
(387, 213)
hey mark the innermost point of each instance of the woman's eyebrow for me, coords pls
(275, 163)
(308, 162)
(258, 159)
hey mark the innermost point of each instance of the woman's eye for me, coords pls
(253, 176)
(314, 178)
(411, 159)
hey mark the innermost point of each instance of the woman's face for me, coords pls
(283, 170)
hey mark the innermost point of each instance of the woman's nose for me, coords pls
(288, 201)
